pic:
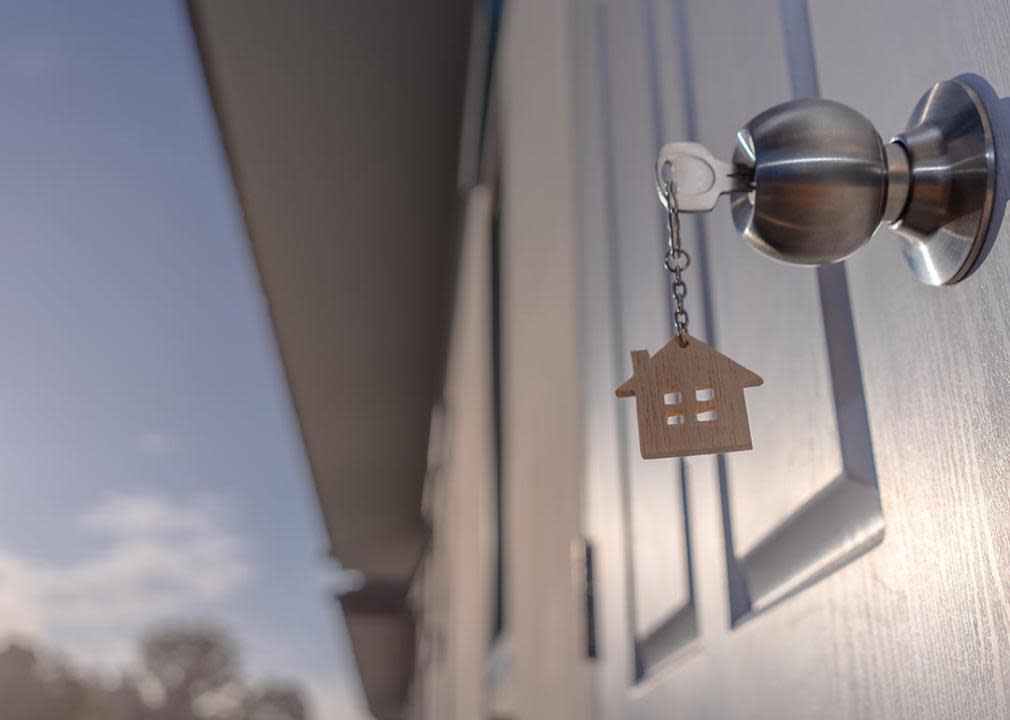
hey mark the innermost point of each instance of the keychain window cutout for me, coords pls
(706, 404)
(692, 427)
(674, 410)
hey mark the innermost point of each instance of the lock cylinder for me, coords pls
(898, 181)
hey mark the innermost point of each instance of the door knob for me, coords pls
(811, 181)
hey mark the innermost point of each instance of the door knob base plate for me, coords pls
(952, 157)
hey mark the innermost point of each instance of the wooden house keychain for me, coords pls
(689, 396)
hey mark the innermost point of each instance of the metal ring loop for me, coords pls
(681, 261)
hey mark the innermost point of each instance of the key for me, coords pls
(699, 178)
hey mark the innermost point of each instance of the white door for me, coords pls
(856, 563)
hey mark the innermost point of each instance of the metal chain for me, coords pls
(677, 261)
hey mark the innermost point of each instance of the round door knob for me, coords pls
(822, 181)
(819, 178)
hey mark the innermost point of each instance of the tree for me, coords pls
(189, 663)
(273, 703)
(20, 685)
(34, 689)
(195, 667)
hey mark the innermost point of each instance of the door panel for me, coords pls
(936, 363)
(541, 423)
(605, 441)
(813, 461)
(870, 378)
(657, 530)
(796, 503)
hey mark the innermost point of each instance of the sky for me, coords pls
(150, 463)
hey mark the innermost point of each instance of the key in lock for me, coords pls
(698, 177)
(811, 181)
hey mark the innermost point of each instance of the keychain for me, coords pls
(689, 396)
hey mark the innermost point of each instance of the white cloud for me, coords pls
(153, 558)
(19, 614)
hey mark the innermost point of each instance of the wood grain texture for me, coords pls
(928, 355)
(920, 626)
(689, 399)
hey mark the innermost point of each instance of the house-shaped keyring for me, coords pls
(690, 400)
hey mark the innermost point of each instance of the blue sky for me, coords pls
(150, 466)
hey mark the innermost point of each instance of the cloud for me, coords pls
(19, 615)
(152, 557)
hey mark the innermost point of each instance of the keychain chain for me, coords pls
(676, 262)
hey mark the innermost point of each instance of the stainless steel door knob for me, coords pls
(811, 181)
